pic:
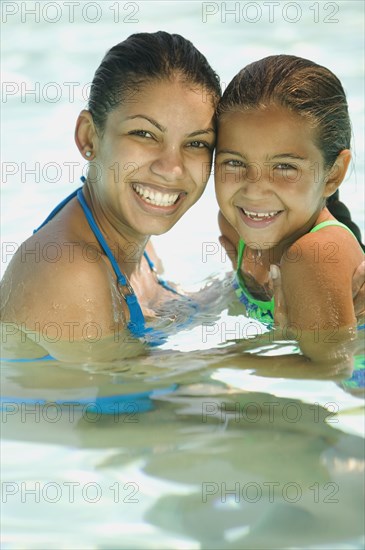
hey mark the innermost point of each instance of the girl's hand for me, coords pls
(358, 291)
(280, 313)
(358, 294)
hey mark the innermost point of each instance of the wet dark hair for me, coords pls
(144, 57)
(340, 211)
(307, 89)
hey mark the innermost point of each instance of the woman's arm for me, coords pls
(69, 309)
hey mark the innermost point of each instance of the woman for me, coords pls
(149, 134)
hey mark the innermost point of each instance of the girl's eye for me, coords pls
(235, 163)
(141, 133)
(284, 166)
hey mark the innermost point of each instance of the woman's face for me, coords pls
(154, 157)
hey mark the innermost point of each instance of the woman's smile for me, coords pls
(157, 198)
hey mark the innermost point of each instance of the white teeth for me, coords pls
(155, 197)
(260, 215)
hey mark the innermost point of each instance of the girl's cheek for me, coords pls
(223, 176)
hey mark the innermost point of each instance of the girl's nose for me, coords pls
(257, 179)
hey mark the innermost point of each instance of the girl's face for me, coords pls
(269, 175)
(154, 157)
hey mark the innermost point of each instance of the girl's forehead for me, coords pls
(259, 111)
(257, 132)
(277, 117)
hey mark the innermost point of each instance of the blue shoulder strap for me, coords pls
(161, 281)
(136, 323)
(57, 209)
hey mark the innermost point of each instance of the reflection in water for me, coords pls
(212, 463)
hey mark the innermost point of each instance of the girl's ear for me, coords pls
(337, 173)
(86, 135)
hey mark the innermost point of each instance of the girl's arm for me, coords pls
(229, 240)
(317, 274)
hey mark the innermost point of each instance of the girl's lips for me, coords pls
(258, 219)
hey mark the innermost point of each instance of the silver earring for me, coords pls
(88, 154)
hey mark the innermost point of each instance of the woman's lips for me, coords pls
(157, 199)
(259, 219)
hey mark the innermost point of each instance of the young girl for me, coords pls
(282, 151)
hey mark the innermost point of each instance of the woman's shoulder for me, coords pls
(51, 279)
(54, 250)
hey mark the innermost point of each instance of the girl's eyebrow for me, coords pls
(288, 155)
(278, 156)
(228, 152)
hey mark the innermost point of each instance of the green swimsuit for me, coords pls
(260, 310)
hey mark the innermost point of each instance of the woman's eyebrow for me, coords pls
(163, 129)
(205, 131)
(149, 119)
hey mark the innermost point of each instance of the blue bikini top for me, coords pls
(136, 323)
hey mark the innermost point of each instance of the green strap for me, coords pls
(241, 248)
(266, 305)
(330, 222)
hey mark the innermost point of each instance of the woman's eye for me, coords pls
(141, 133)
(199, 144)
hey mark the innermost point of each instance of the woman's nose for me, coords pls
(169, 164)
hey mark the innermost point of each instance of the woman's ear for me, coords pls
(337, 173)
(86, 135)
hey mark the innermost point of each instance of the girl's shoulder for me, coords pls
(328, 242)
(317, 272)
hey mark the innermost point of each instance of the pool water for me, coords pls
(201, 454)
(191, 445)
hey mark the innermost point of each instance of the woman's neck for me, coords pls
(125, 244)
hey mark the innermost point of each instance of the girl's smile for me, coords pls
(259, 219)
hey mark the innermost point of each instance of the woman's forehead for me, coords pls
(165, 101)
